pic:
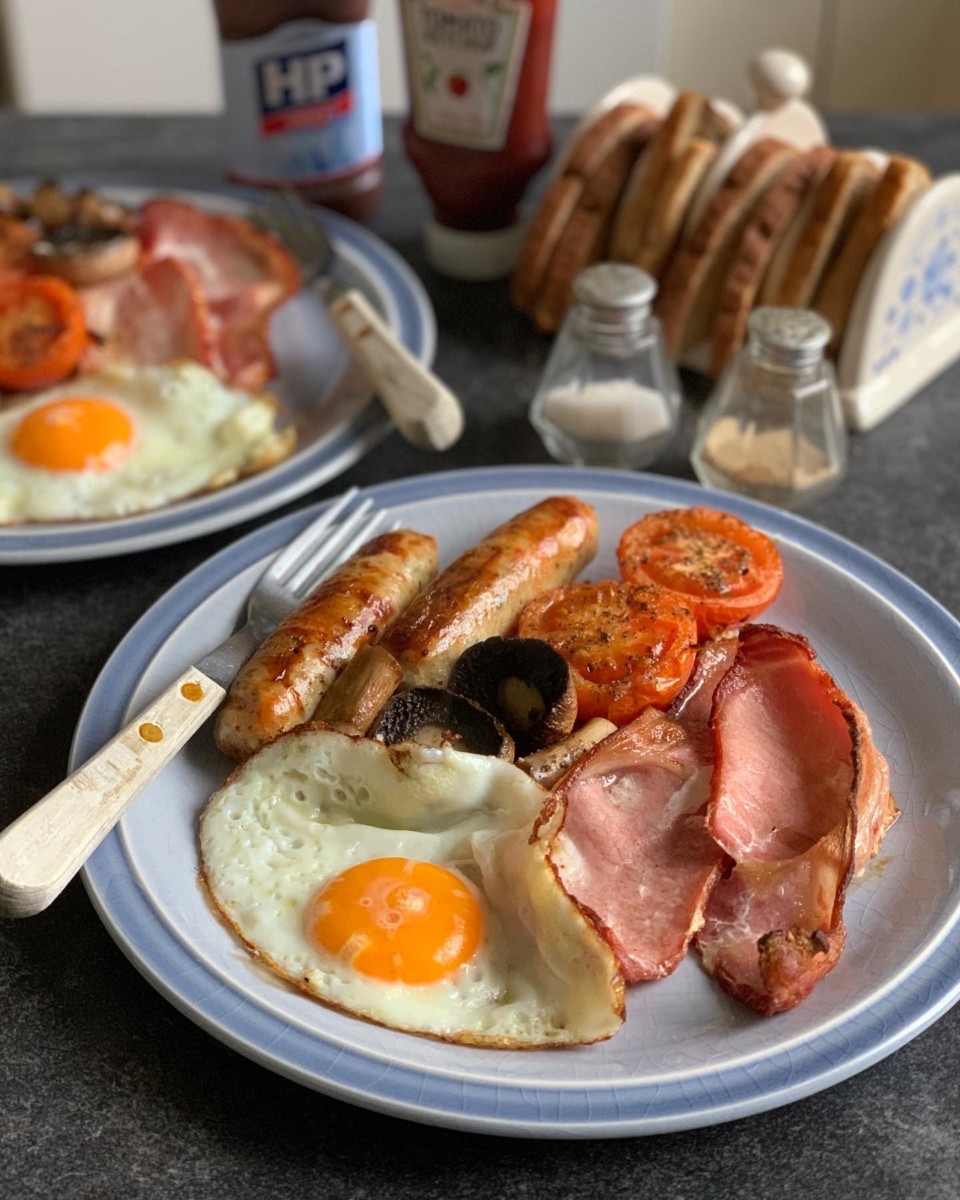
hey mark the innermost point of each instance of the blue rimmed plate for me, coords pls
(318, 384)
(687, 1055)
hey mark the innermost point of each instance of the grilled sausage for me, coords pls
(282, 684)
(481, 593)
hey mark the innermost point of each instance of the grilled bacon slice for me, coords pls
(800, 799)
(633, 848)
(151, 316)
(244, 273)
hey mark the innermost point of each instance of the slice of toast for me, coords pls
(585, 237)
(665, 219)
(771, 217)
(549, 222)
(628, 123)
(820, 227)
(673, 136)
(899, 185)
(590, 150)
(687, 301)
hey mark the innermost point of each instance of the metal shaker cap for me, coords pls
(616, 286)
(787, 337)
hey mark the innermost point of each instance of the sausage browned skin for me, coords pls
(481, 593)
(283, 682)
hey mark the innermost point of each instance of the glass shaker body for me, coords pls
(773, 428)
(609, 395)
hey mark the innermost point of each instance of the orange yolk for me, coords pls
(397, 919)
(78, 433)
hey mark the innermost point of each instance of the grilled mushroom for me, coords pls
(85, 238)
(85, 255)
(525, 683)
(437, 717)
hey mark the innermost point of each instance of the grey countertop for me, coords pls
(107, 1091)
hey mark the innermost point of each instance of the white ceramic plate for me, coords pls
(318, 384)
(687, 1056)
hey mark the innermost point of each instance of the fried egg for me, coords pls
(400, 884)
(127, 439)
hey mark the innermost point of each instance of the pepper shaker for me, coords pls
(773, 427)
(609, 395)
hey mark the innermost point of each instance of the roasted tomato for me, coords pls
(723, 568)
(629, 645)
(42, 331)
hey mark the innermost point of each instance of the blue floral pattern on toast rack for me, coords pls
(928, 292)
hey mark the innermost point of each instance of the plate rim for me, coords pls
(907, 1008)
(414, 320)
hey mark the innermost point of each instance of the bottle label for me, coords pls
(463, 66)
(303, 102)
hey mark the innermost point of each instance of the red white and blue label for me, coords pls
(303, 102)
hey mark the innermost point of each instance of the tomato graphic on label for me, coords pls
(459, 85)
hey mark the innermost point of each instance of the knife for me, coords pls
(424, 410)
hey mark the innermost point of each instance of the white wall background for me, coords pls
(161, 55)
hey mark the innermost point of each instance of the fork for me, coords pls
(424, 410)
(43, 849)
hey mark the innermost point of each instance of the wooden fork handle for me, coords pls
(44, 848)
(426, 413)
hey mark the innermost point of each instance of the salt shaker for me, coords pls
(609, 395)
(773, 428)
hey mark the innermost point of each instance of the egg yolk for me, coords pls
(397, 919)
(78, 433)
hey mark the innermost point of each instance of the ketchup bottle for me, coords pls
(477, 131)
(302, 87)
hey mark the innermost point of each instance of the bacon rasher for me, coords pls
(800, 800)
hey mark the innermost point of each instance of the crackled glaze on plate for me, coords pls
(318, 385)
(687, 1056)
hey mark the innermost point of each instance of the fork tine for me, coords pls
(338, 548)
(327, 547)
(293, 555)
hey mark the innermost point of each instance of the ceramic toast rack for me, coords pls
(904, 326)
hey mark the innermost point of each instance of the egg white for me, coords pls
(193, 433)
(313, 803)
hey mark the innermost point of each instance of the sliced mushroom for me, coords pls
(90, 208)
(525, 683)
(437, 717)
(352, 702)
(51, 206)
(85, 255)
(12, 204)
(548, 766)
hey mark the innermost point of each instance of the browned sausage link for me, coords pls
(281, 685)
(481, 594)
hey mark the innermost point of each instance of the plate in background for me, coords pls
(688, 1055)
(318, 384)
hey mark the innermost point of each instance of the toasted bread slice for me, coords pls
(586, 236)
(820, 226)
(771, 217)
(626, 121)
(671, 139)
(665, 219)
(899, 185)
(549, 222)
(627, 124)
(687, 301)
(582, 243)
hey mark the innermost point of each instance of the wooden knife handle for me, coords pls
(45, 847)
(423, 409)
